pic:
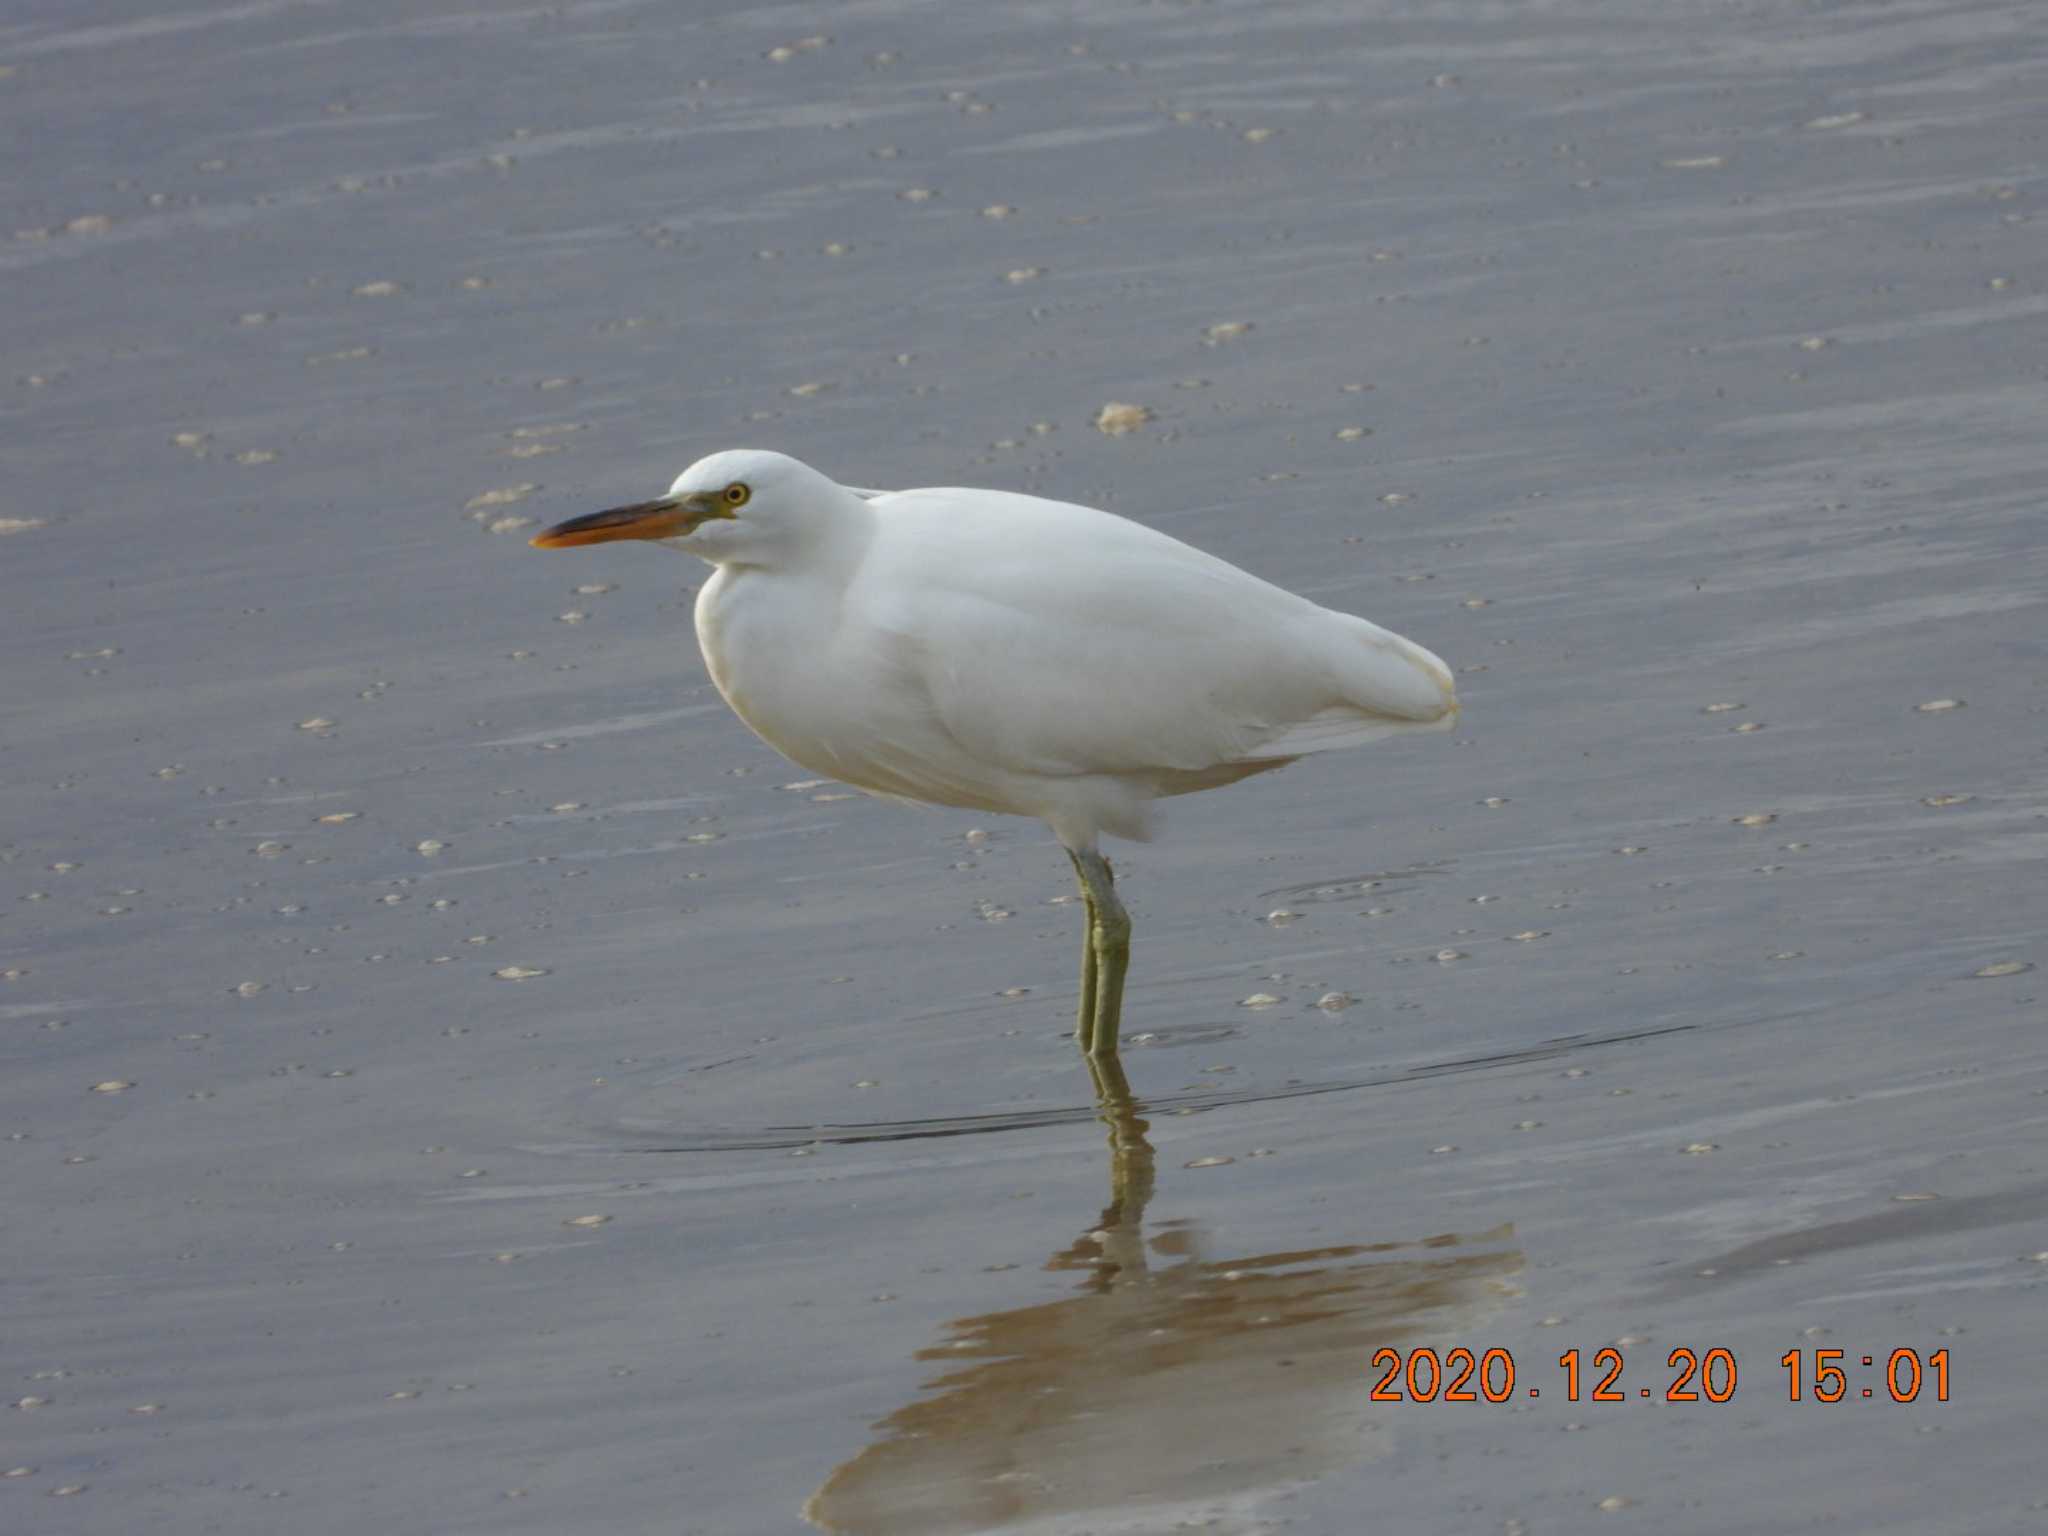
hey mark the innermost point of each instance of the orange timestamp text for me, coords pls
(1423, 1375)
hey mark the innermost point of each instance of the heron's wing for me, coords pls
(1058, 640)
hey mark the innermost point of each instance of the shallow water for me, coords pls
(457, 1080)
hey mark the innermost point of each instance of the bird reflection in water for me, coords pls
(1169, 1380)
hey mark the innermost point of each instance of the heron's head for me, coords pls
(739, 505)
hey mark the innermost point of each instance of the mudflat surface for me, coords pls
(456, 1080)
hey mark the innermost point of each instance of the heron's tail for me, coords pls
(1390, 686)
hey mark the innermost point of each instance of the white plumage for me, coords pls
(1007, 653)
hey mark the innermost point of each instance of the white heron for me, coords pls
(1002, 652)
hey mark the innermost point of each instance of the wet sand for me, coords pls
(456, 1079)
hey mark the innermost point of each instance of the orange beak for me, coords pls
(667, 517)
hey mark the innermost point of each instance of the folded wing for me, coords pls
(1057, 640)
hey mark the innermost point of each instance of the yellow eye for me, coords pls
(737, 494)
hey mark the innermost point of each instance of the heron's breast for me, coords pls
(770, 648)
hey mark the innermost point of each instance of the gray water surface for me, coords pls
(457, 1080)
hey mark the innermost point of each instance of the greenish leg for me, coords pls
(1109, 948)
(1113, 1097)
(1084, 1025)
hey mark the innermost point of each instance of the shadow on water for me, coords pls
(1167, 1378)
(774, 1137)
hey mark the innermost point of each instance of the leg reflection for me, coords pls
(1130, 1154)
(1113, 1251)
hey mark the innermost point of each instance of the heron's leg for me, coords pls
(1084, 1025)
(1109, 941)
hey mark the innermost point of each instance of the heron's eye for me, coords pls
(737, 494)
